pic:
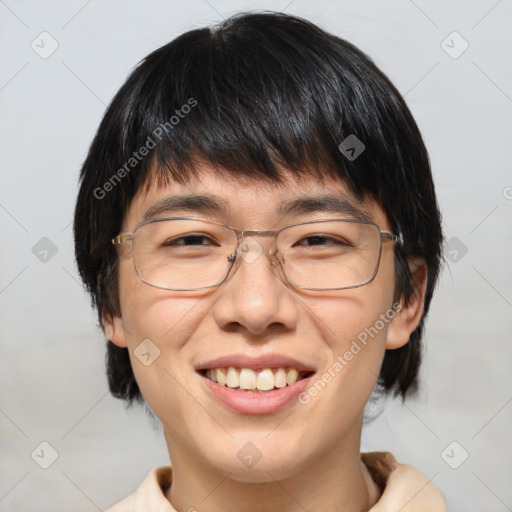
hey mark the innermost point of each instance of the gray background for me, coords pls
(53, 387)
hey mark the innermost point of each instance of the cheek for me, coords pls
(336, 397)
(343, 315)
(151, 313)
(356, 340)
(356, 317)
(354, 327)
(159, 328)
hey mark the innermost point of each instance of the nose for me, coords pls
(254, 297)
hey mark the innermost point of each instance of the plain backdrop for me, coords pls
(451, 60)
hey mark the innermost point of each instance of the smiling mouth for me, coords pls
(263, 380)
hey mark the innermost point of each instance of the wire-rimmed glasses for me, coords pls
(191, 254)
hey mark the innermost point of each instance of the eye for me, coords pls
(324, 240)
(191, 239)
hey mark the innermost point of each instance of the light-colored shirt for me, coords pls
(400, 487)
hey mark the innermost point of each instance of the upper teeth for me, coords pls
(246, 378)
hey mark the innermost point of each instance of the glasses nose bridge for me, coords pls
(272, 234)
(249, 251)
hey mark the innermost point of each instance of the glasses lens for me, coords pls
(183, 254)
(330, 254)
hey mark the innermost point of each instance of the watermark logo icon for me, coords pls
(44, 455)
(454, 45)
(351, 147)
(44, 45)
(249, 249)
(44, 250)
(456, 249)
(454, 455)
(249, 455)
(147, 352)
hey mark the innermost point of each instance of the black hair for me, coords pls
(255, 94)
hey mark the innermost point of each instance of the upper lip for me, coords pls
(255, 363)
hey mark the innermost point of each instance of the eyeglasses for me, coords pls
(191, 254)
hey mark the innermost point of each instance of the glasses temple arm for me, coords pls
(123, 237)
(393, 238)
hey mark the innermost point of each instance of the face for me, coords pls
(255, 320)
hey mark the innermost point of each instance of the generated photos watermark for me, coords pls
(144, 150)
(343, 360)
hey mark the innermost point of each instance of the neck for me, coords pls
(333, 480)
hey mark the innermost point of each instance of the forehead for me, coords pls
(244, 201)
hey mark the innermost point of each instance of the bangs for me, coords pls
(246, 104)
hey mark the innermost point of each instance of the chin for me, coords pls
(251, 465)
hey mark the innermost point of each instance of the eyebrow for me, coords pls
(209, 203)
(188, 203)
(330, 204)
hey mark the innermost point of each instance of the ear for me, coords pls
(113, 327)
(409, 316)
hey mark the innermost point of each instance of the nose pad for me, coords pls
(277, 259)
(273, 252)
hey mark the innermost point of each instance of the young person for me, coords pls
(258, 229)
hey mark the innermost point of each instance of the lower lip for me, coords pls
(248, 402)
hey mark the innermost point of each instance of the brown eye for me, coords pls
(189, 240)
(323, 240)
